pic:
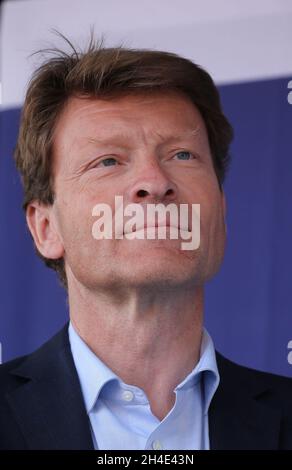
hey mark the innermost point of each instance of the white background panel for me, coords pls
(235, 40)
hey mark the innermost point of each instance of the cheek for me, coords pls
(216, 232)
(204, 190)
(212, 216)
(76, 223)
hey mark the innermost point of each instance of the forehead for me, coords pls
(155, 111)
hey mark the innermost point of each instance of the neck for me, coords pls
(149, 338)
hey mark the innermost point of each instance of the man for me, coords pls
(135, 369)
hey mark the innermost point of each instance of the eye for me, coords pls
(184, 155)
(110, 161)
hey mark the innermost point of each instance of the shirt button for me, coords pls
(127, 395)
(156, 445)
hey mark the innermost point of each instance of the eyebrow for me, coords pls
(118, 138)
(178, 137)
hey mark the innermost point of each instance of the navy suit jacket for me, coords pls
(42, 407)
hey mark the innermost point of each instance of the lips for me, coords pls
(150, 225)
(156, 225)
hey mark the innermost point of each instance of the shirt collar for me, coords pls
(207, 369)
(94, 374)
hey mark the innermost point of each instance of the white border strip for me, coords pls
(235, 41)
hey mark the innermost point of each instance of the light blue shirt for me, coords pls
(120, 415)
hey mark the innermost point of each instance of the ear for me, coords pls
(42, 225)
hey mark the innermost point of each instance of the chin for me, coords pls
(154, 271)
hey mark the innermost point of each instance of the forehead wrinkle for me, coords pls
(180, 136)
(123, 136)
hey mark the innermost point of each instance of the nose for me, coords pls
(152, 184)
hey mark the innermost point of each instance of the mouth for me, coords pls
(152, 227)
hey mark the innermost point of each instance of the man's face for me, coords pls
(148, 148)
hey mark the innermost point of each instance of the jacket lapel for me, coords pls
(238, 417)
(54, 415)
